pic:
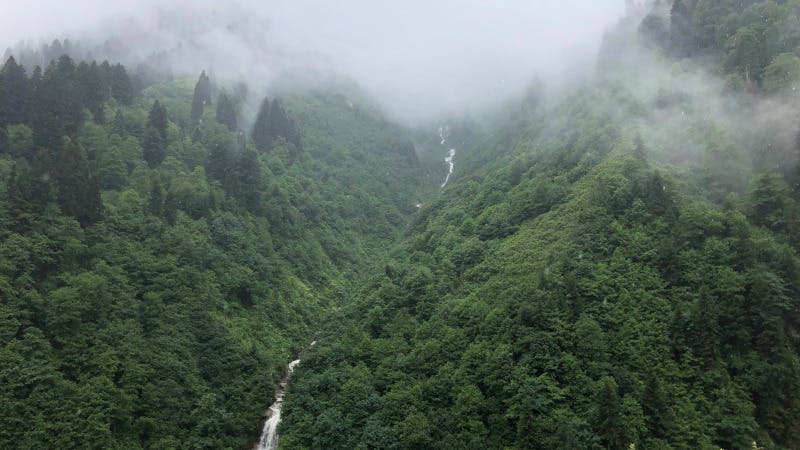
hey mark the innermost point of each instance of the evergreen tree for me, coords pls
(3, 101)
(120, 84)
(3, 139)
(36, 78)
(15, 93)
(283, 126)
(261, 129)
(157, 119)
(92, 89)
(705, 328)
(56, 109)
(768, 200)
(796, 174)
(21, 206)
(53, 51)
(278, 121)
(154, 146)
(656, 407)
(78, 191)
(272, 122)
(43, 189)
(220, 160)
(681, 30)
(118, 125)
(226, 113)
(156, 202)
(202, 96)
(69, 94)
(249, 183)
(609, 415)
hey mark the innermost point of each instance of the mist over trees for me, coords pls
(612, 265)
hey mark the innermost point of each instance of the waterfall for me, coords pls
(269, 436)
(444, 133)
(449, 160)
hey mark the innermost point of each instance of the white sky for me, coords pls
(419, 56)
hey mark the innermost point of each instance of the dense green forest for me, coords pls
(157, 268)
(616, 267)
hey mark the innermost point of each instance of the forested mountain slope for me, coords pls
(158, 268)
(619, 268)
(612, 267)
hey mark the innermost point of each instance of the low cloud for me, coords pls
(421, 59)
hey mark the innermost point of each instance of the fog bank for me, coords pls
(421, 59)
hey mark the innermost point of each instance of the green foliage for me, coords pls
(273, 127)
(756, 39)
(153, 286)
(575, 291)
(202, 96)
(783, 74)
(15, 90)
(226, 112)
(571, 294)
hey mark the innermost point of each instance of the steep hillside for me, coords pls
(611, 265)
(575, 296)
(157, 271)
(618, 268)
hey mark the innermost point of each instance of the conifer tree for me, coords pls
(278, 121)
(681, 31)
(120, 84)
(610, 426)
(154, 147)
(92, 89)
(796, 175)
(154, 141)
(78, 191)
(220, 160)
(280, 125)
(202, 96)
(3, 139)
(14, 94)
(18, 196)
(226, 113)
(3, 100)
(43, 190)
(156, 202)
(249, 184)
(158, 119)
(56, 108)
(261, 129)
(118, 125)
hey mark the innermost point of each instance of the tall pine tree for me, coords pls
(154, 141)
(158, 119)
(78, 191)
(15, 94)
(56, 108)
(249, 184)
(280, 125)
(261, 129)
(202, 96)
(681, 29)
(273, 122)
(92, 89)
(220, 160)
(120, 84)
(226, 112)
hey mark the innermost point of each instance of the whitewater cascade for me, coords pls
(444, 132)
(269, 436)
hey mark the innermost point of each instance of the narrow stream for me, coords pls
(444, 133)
(269, 436)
